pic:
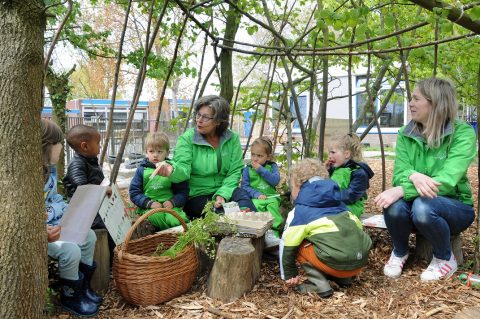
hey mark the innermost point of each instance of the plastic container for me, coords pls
(470, 280)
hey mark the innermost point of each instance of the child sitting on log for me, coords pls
(149, 191)
(320, 233)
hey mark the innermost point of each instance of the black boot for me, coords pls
(88, 271)
(73, 299)
(318, 282)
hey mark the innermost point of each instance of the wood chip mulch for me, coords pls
(371, 296)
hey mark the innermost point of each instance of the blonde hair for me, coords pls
(441, 95)
(349, 142)
(305, 169)
(157, 140)
(266, 143)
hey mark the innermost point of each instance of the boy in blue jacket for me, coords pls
(320, 233)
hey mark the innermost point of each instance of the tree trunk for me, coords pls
(23, 245)
(226, 74)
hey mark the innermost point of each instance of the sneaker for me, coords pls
(440, 269)
(393, 268)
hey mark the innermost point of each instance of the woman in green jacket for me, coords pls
(430, 190)
(209, 157)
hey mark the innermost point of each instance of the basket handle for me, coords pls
(148, 214)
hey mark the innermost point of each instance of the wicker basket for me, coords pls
(145, 280)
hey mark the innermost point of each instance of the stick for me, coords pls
(434, 311)
(220, 313)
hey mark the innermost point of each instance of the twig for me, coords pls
(221, 313)
(288, 314)
(436, 310)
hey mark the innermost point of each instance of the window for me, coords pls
(302, 103)
(392, 115)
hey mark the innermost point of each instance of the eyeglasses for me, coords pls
(204, 117)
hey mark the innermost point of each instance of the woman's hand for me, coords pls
(388, 197)
(425, 185)
(219, 200)
(293, 281)
(163, 169)
(53, 233)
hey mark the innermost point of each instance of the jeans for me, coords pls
(436, 219)
(70, 255)
(195, 205)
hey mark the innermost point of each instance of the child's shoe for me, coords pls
(318, 282)
(393, 268)
(439, 269)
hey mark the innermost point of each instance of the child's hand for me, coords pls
(293, 281)
(328, 164)
(53, 233)
(168, 204)
(219, 200)
(156, 205)
(109, 191)
(255, 165)
(262, 196)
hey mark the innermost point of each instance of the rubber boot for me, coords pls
(87, 272)
(73, 299)
(342, 282)
(318, 280)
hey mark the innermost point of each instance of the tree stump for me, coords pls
(468, 313)
(236, 268)
(423, 249)
(101, 276)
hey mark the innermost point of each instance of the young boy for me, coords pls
(320, 233)
(84, 168)
(149, 192)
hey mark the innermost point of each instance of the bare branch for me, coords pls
(57, 35)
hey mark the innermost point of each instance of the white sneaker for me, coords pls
(393, 268)
(439, 269)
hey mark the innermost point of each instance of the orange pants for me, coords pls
(306, 254)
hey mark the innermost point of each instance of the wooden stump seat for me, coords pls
(236, 268)
(101, 276)
(423, 249)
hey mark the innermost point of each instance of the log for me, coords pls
(101, 276)
(423, 249)
(236, 268)
(468, 313)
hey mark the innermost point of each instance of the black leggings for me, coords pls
(194, 206)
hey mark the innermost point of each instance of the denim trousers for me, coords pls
(436, 219)
(70, 255)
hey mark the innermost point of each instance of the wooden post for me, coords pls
(101, 276)
(236, 268)
(423, 249)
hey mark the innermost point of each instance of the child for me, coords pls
(260, 178)
(84, 168)
(149, 193)
(76, 295)
(320, 233)
(345, 167)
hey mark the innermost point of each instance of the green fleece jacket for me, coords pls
(208, 170)
(446, 164)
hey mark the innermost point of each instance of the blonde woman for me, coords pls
(430, 190)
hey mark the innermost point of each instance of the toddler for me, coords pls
(75, 262)
(149, 192)
(345, 167)
(259, 179)
(320, 233)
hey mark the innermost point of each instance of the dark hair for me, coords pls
(220, 108)
(80, 133)
(266, 143)
(51, 135)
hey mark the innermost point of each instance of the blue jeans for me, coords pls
(436, 219)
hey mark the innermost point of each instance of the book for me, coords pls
(376, 221)
(86, 202)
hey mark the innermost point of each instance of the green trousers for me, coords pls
(164, 220)
(271, 205)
